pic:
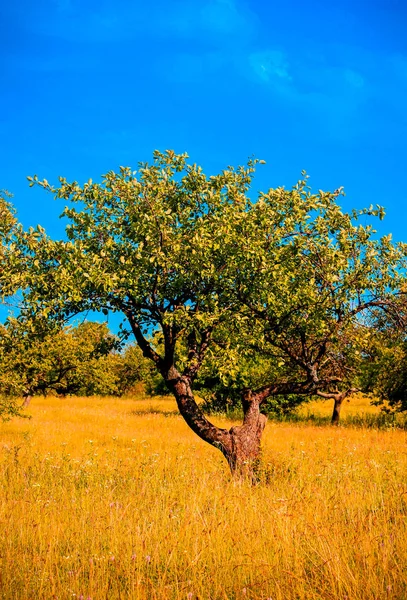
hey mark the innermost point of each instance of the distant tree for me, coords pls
(288, 276)
(130, 368)
(391, 382)
(383, 372)
(9, 227)
(35, 360)
(114, 374)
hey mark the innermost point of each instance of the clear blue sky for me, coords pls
(319, 85)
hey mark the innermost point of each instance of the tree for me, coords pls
(384, 367)
(130, 368)
(390, 382)
(38, 360)
(15, 245)
(110, 374)
(288, 276)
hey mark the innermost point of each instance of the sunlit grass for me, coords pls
(108, 499)
(355, 405)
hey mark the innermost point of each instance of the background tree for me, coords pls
(131, 368)
(115, 374)
(287, 276)
(383, 372)
(311, 280)
(38, 360)
(390, 381)
(9, 228)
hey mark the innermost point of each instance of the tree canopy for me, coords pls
(287, 278)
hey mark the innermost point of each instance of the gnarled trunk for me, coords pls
(245, 456)
(241, 445)
(193, 415)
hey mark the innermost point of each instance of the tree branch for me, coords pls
(147, 350)
(336, 395)
(196, 354)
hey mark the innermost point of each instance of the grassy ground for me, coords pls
(117, 499)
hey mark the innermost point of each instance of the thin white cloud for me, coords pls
(224, 17)
(330, 96)
(270, 65)
(399, 67)
(53, 63)
(216, 21)
(63, 5)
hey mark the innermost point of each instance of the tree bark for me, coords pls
(337, 409)
(26, 400)
(193, 415)
(245, 456)
(241, 445)
(338, 398)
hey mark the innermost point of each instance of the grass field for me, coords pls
(117, 499)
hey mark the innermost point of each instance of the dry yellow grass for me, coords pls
(356, 405)
(99, 501)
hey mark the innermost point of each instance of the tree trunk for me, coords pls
(193, 415)
(338, 398)
(245, 456)
(26, 401)
(240, 445)
(337, 409)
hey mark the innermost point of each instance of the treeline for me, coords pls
(88, 360)
(84, 360)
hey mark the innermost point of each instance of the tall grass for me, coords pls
(357, 412)
(117, 499)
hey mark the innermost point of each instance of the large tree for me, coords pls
(287, 275)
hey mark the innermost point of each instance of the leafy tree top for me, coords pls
(289, 274)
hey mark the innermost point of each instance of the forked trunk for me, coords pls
(338, 398)
(245, 456)
(241, 445)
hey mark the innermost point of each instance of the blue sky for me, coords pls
(321, 86)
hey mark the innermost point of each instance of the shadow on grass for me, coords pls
(359, 420)
(154, 410)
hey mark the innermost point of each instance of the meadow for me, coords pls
(111, 499)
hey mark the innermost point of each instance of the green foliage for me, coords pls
(150, 246)
(126, 369)
(273, 294)
(16, 248)
(309, 276)
(223, 378)
(38, 360)
(8, 230)
(384, 371)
